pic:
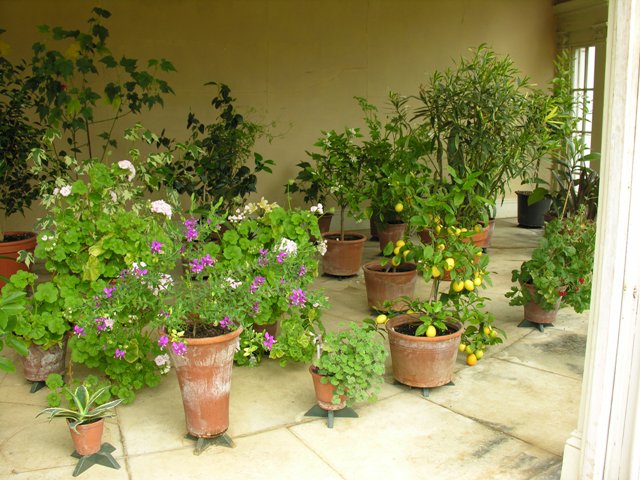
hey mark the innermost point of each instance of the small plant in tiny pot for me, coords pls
(560, 268)
(88, 406)
(351, 360)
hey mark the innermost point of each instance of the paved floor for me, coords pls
(507, 417)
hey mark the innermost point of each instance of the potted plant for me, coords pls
(88, 406)
(10, 306)
(41, 325)
(18, 185)
(216, 163)
(390, 279)
(339, 169)
(483, 117)
(349, 366)
(434, 330)
(559, 271)
(314, 193)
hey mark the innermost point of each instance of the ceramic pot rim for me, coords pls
(407, 318)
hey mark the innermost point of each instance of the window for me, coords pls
(584, 63)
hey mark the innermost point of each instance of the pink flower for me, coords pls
(163, 341)
(268, 341)
(78, 330)
(156, 247)
(119, 353)
(179, 348)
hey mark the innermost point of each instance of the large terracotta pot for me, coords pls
(40, 363)
(88, 437)
(422, 361)
(324, 393)
(392, 232)
(9, 266)
(204, 374)
(382, 286)
(535, 313)
(343, 257)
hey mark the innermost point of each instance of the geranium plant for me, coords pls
(560, 268)
(10, 306)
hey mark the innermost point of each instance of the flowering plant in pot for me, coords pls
(88, 406)
(41, 325)
(351, 361)
(560, 270)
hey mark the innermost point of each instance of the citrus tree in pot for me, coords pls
(424, 344)
(340, 171)
(559, 272)
(349, 366)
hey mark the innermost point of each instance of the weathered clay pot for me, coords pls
(483, 238)
(422, 361)
(391, 232)
(343, 257)
(324, 222)
(40, 363)
(88, 437)
(536, 314)
(382, 286)
(9, 253)
(324, 393)
(204, 374)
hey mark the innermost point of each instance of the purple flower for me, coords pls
(302, 271)
(163, 341)
(100, 324)
(156, 247)
(179, 348)
(190, 231)
(225, 322)
(78, 330)
(281, 256)
(108, 291)
(207, 261)
(257, 282)
(196, 266)
(119, 353)
(268, 341)
(263, 261)
(256, 308)
(297, 297)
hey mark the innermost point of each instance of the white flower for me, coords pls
(163, 362)
(108, 322)
(127, 165)
(319, 209)
(236, 218)
(288, 246)
(44, 238)
(65, 191)
(114, 197)
(233, 283)
(56, 191)
(322, 247)
(160, 206)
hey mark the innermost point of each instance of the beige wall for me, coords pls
(297, 62)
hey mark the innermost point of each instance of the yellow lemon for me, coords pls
(441, 247)
(400, 243)
(487, 330)
(479, 253)
(395, 262)
(472, 360)
(405, 253)
(382, 318)
(462, 347)
(477, 281)
(449, 263)
(469, 350)
(399, 207)
(438, 228)
(431, 331)
(458, 231)
(468, 284)
(396, 251)
(457, 286)
(479, 354)
(435, 273)
(464, 230)
(477, 228)
(494, 334)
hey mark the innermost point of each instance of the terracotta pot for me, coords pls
(392, 232)
(204, 374)
(382, 286)
(40, 363)
(324, 222)
(482, 239)
(324, 393)
(9, 266)
(426, 236)
(422, 361)
(88, 437)
(343, 257)
(535, 313)
(270, 328)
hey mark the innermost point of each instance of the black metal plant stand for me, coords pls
(101, 457)
(37, 385)
(202, 443)
(318, 411)
(540, 326)
(426, 390)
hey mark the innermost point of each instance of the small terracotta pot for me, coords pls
(324, 222)
(204, 375)
(482, 239)
(392, 232)
(422, 362)
(88, 437)
(343, 257)
(9, 265)
(324, 393)
(40, 363)
(382, 286)
(270, 328)
(535, 313)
